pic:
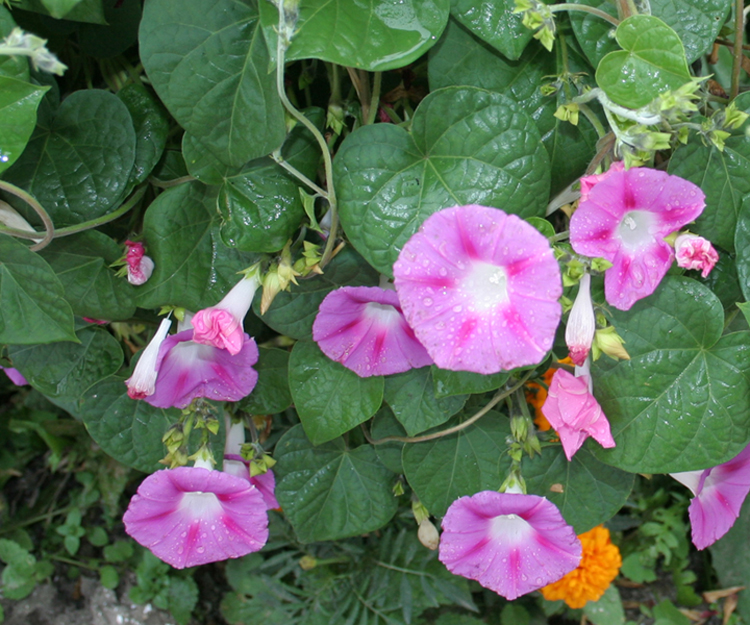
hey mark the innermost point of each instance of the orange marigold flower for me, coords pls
(536, 395)
(599, 565)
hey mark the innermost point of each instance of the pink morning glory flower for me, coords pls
(624, 219)
(589, 182)
(364, 329)
(140, 266)
(694, 252)
(510, 543)
(193, 515)
(143, 381)
(15, 376)
(719, 494)
(480, 288)
(221, 325)
(187, 370)
(579, 333)
(574, 413)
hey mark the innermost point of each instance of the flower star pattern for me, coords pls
(480, 288)
(624, 219)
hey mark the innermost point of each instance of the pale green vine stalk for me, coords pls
(499, 396)
(585, 9)
(739, 32)
(283, 40)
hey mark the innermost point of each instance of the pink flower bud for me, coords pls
(694, 252)
(143, 381)
(140, 266)
(579, 333)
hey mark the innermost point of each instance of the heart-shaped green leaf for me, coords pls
(65, 371)
(474, 459)
(293, 312)
(448, 383)
(193, 268)
(724, 176)
(652, 61)
(31, 298)
(496, 23)
(271, 394)
(460, 58)
(90, 11)
(586, 491)
(375, 35)
(210, 68)
(411, 396)
(466, 146)
(18, 103)
(682, 402)
(81, 262)
(329, 398)
(331, 492)
(79, 165)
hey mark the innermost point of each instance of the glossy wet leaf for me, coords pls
(79, 164)
(385, 424)
(495, 23)
(375, 35)
(151, 123)
(329, 398)
(586, 491)
(271, 394)
(19, 101)
(593, 32)
(682, 402)
(31, 298)
(65, 371)
(92, 289)
(742, 243)
(466, 146)
(331, 492)
(293, 312)
(411, 397)
(210, 68)
(260, 205)
(460, 58)
(652, 61)
(448, 383)
(193, 268)
(127, 429)
(474, 459)
(725, 179)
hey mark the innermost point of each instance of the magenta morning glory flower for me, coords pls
(694, 252)
(719, 494)
(480, 288)
(193, 515)
(187, 370)
(581, 327)
(510, 543)
(143, 381)
(140, 266)
(221, 325)
(15, 376)
(364, 329)
(574, 413)
(624, 219)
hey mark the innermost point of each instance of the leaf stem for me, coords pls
(554, 8)
(35, 519)
(49, 227)
(73, 562)
(276, 156)
(375, 99)
(86, 225)
(739, 31)
(592, 119)
(499, 396)
(282, 43)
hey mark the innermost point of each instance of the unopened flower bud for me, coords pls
(607, 341)
(307, 563)
(579, 333)
(143, 381)
(694, 252)
(428, 535)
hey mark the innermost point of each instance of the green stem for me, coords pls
(168, 184)
(276, 156)
(281, 46)
(49, 227)
(592, 119)
(739, 31)
(499, 396)
(74, 562)
(560, 236)
(35, 519)
(375, 99)
(586, 9)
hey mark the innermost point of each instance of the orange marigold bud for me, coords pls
(599, 565)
